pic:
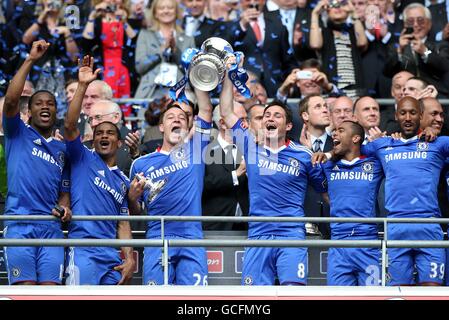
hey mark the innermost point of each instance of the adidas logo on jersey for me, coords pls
(389, 148)
(38, 142)
(101, 173)
(336, 168)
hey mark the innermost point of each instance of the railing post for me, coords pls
(164, 252)
(165, 256)
(384, 253)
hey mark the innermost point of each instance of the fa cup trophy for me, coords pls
(154, 187)
(208, 67)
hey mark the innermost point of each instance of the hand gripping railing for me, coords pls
(166, 243)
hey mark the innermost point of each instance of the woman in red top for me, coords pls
(108, 25)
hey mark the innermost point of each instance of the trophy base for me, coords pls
(156, 189)
(204, 74)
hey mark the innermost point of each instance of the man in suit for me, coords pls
(417, 53)
(265, 45)
(388, 121)
(439, 10)
(316, 117)
(297, 21)
(197, 25)
(225, 182)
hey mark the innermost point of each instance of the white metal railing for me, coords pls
(383, 244)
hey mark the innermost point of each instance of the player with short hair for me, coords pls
(353, 183)
(278, 173)
(99, 188)
(178, 168)
(37, 180)
(412, 168)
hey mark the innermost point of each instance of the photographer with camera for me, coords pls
(380, 33)
(417, 53)
(340, 43)
(110, 39)
(55, 65)
(309, 79)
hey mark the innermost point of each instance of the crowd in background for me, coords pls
(344, 53)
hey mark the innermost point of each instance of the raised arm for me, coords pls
(15, 88)
(204, 105)
(85, 76)
(316, 36)
(227, 103)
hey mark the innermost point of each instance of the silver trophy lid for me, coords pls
(217, 46)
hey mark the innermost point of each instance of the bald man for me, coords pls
(367, 114)
(388, 122)
(341, 110)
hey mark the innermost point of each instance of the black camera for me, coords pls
(54, 5)
(254, 6)
(111, 8)
(408, 30)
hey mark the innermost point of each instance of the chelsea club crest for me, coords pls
(368, 167)
(422, 146)
(61, 158)
(294, 163)
(180, 154)
(123, 188)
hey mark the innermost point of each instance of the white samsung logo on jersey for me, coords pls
(406, 156)
(117, 196)
(168, 169)
(45, 156)
(279, 167)
(351, 175)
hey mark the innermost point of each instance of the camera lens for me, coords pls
(254, 6)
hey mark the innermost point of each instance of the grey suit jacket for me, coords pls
(149, 59)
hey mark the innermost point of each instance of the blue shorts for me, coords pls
(407, 266)
(38, 264)
(353, 267)
(262, 265)
(92, 266)
(186, 266)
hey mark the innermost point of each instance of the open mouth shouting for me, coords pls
(104, 144)
(45, 116)
(336, 142)
(271, 127)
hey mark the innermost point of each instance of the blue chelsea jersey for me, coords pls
(36, 169)
(183, 172)
(353, 187)
(412, 169)
(277, 182)
(96, 190)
